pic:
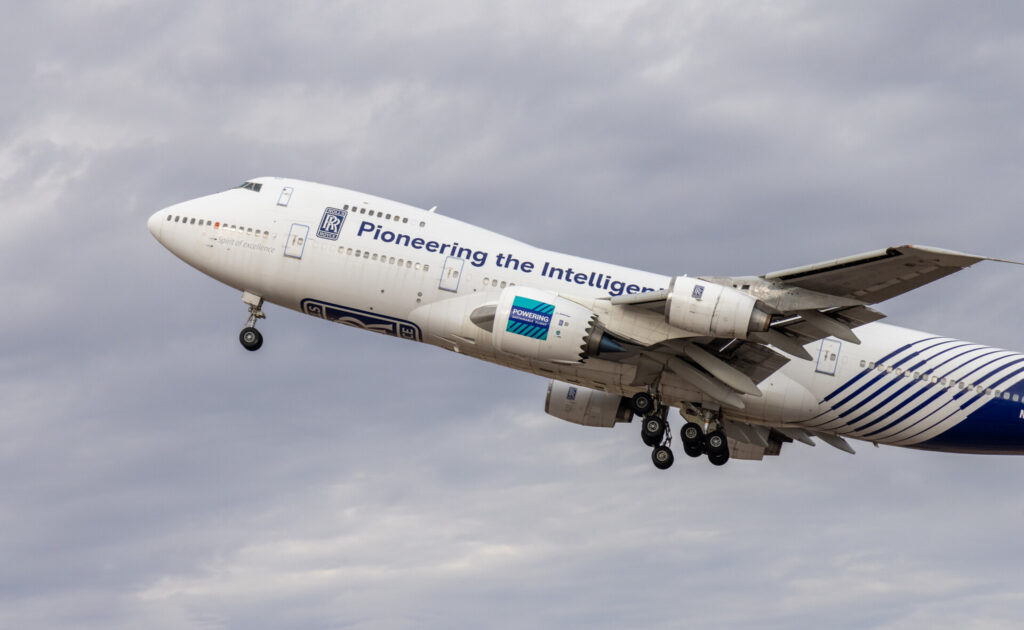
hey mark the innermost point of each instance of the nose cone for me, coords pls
(156, 223)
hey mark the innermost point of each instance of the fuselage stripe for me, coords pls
(862, 374)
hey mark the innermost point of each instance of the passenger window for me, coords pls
(408, 264)
(417, 266)
(502, 284)
(426, 267)
(249, 232)
(391, 260)
(494, 282)
(388, 217)
(375, 256)
(170, 218)
(193, 221)
(405, 220)
(177, 218)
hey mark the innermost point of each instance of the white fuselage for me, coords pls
(403, 271)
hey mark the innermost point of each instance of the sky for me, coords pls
(154, 474)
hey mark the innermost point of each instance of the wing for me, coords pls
(806, 304)
(873, 277)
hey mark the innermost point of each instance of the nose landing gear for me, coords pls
(250, 338)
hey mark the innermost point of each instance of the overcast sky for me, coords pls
(153, 474)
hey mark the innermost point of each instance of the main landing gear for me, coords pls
(251, 338)
(654, 429)
(701, 435)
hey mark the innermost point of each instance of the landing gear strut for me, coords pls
(251, 338)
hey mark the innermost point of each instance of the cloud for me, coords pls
(157, 475)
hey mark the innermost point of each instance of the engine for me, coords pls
(712, 310)
(586, 406)
(540, 325)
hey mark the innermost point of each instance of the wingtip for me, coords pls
(951, 252)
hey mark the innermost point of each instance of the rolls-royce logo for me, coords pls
(330, 224)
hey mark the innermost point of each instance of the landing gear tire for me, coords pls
(718, 459)
(692, 432)
(653, 430)
(662, 457)
(250, 338)
(693, 449)
(715, 443)
(642, 404)
(693, 439)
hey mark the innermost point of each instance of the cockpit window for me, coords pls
(253, 186)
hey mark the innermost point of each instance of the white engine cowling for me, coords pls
(540, 325)
(586, 406)
(712, 310)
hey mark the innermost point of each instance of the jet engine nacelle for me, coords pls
(540, 325)
(586, 406)
(711, 310)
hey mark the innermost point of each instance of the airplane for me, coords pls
(751, 362)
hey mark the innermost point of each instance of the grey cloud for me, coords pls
(157, 475)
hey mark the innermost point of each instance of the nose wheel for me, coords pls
(250, 338)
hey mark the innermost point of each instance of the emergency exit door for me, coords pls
(296, 240)
(828, 356)
(451, 273)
